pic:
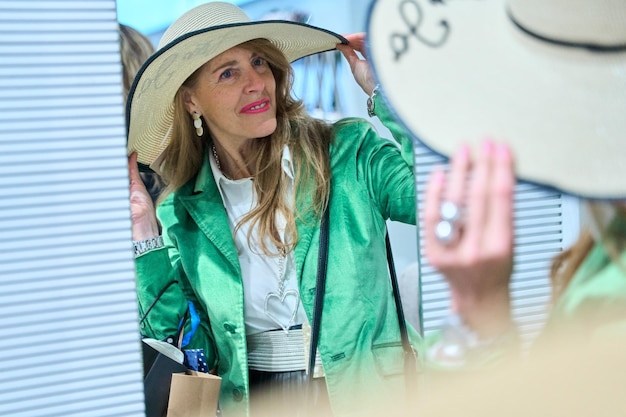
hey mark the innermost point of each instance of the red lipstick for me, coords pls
(256, 107)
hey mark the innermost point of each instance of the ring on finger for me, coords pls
(447, 229)
(446, 232)
(449, 211)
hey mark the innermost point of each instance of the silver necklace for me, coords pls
(287, 298)
(217, 162)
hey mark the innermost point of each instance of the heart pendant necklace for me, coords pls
(282, 299)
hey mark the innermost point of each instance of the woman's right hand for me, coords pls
(142, 214)
(361, 70)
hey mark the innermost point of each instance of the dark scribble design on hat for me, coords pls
(413, 17)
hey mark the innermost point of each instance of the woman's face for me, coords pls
(235, 93)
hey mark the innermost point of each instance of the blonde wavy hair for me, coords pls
(308, 140)
(600, 214)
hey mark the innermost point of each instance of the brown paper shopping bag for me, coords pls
(193, 394)
(159, 364)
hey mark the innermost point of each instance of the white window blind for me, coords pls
(546, 222)
(68, 313)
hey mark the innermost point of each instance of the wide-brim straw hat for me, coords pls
(546, 76)
(193, 39)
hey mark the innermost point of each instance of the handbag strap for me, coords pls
(156, 300)
(322, 264)
(406, 345)
(320, 287)
(409, 352)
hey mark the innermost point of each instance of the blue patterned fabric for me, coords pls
(194, 359)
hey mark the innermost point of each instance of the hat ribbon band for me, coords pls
(593, 47)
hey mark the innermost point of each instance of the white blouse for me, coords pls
(267, 306)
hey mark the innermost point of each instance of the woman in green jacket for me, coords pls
(249, 175)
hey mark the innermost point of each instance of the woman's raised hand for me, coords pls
(359, 66)
(477, 261)
(143, 217)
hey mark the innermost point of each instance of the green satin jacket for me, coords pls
(372, 181)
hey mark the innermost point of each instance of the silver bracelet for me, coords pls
(371, 106)
(143, 246)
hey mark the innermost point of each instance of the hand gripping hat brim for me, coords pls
(546, 76)
(195, 38)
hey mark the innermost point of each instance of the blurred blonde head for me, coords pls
(135, 48)
(598, 216)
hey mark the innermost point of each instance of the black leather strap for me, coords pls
(320, 287)
(322, 264)
(409, 353)
(156, 299)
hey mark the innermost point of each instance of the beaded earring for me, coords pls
(197, 123)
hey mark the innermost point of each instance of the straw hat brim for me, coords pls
(562, 110)
(150, 107)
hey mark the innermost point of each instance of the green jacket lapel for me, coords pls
(207, 199)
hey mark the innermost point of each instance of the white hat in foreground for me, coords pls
(546, 76)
